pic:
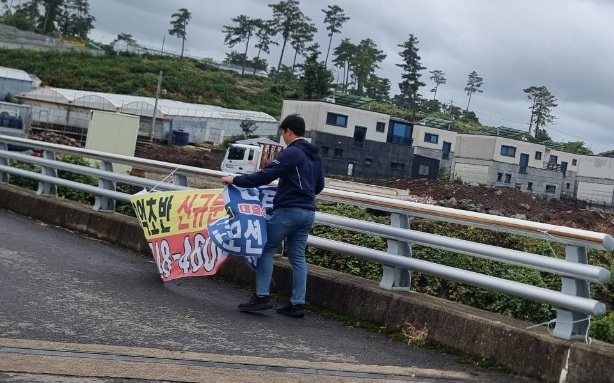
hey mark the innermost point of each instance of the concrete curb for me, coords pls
(532, 353)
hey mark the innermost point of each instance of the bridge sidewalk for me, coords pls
(529, 352)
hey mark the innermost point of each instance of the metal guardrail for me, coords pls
(573, 302)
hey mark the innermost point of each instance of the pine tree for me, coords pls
(541, 110)
(286, 17)
(365, 62)
(438, 77)
(243, 31)
(264, 31)
(474, 84)
(179, 22)
(302, 34)
(411, 66)
(344, 55)
(334, 19)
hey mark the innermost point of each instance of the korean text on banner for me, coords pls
(175, 226)
(243, 230)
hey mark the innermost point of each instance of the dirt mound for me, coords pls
(54, 138)
(508, 202)
(198, 156)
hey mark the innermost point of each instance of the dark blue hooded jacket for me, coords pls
(299, 169)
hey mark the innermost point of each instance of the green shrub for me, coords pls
(602, 328)
(125, 207)
(350, 265)
(231, 140)
(24, 182)
(73, 194)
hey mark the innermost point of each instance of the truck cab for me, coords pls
(244, 158)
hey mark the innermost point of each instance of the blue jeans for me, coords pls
(293, 225)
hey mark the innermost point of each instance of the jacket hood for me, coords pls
(310, 149)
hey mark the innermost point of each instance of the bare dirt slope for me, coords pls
(502, 201)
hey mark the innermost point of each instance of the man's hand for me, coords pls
(227, 179)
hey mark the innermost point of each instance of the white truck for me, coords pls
(248, 158)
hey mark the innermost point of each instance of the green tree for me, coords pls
(75, 19)
(365, 62)
(52, 13)
(438, 77)
(179, 23)
(452, 111)
(541, 135)
(344, 55)
(241, 32)
(430, 106)
(286, 17)
(236, 58)
(124, 37)
(30, 10)
(469, 116)
(334, 19)
(576, 147)
(474, 84)
(259, 64)
(378, 88)
(263, 33)
(316, 79)
(248, 127)
(411, 66)
(69, 17)
(302, 34)
(541, 110)
(20, 20)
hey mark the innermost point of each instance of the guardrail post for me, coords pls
(47, 188)
(100, 202)
(4, 177)
(395, 278)
(569, 324)
(180, 179)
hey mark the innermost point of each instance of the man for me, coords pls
(299, 169)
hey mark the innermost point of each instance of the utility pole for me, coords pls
(153, 120)
(532, 114)
(163, 40)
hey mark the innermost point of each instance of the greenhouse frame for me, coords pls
(69, 111)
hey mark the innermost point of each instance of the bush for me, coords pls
(350, 265)
(72, 194)
(23, 182)
(231, 140)
(603, 328)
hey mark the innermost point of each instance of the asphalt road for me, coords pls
(73, 306)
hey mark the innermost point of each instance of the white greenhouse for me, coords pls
(14, 82)
(69, 111)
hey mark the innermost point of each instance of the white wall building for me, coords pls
(595, 180)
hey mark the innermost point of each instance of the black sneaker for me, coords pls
(256, 303)
(296, 311)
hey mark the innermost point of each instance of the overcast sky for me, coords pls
(565, 45)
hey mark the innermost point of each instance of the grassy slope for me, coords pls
(184, 79)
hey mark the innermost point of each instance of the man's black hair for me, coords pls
(295, 123)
